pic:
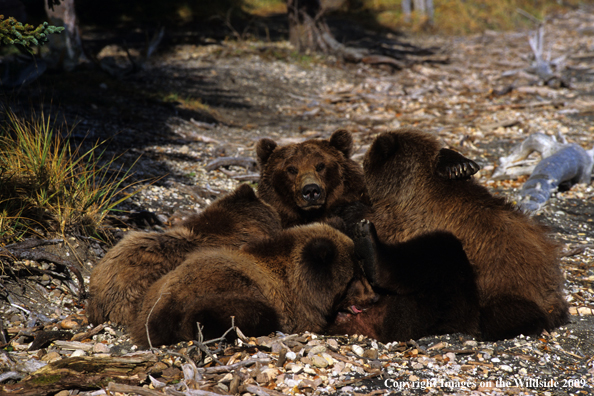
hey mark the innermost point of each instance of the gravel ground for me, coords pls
(197, 103)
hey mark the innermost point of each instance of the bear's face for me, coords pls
(397, 161)
(307, 176)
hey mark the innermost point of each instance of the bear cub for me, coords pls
(519, 281)
(426, 287)
(305, 181)
(296, 281)
(122, 277)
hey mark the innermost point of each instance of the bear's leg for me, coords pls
(509, 316)
(365, 239)
(173, 322)
(252, 316)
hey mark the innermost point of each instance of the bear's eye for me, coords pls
(320, 167)
(292, 170)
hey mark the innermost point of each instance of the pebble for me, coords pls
(101, 348)
(358, 350)
(370, 354)
(291, 355)
(319, 361)
(50, 357)
(332, 343)
(78, 352)
(316, 350)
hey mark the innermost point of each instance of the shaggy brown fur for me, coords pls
(519, 281)
(125, 273)
(305, 181)
(426, 287)
(294, 282)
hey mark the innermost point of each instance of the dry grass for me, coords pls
(451, 16)
(465, 17)
(48, 186)
(265, 7)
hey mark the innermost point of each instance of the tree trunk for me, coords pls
(308, 31)
(65, 49)
(423, 8)
(305, 24)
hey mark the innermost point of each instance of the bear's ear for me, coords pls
(383, 147)
(264, 148)
(245, 193)
(319, 254)
(342, 140)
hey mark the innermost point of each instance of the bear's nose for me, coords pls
(311, 192)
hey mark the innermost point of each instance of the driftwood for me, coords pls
(231, 367)
(44, 338)
(561, 163)
(138, 390)
(68, 373)
(88, 334)
(22, 252)
(547, 70)
(245, 162)
(515, 164)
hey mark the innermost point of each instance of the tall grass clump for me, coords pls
(49, 186)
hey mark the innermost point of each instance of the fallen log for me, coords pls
(83, 372)
(562, 163)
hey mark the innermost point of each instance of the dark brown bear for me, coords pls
(426, 287)
(516, 264)
(294, 282)
(305, 181)
(122, 277)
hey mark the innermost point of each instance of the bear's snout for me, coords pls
(311, 192)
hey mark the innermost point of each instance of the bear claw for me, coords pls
(454, 166)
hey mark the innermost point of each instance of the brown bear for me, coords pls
(426, 287)
(122, 277)
(519, 281)
(305, 181)
(296, 281)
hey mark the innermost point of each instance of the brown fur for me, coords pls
(426, 286)
(518, 277)
(294, 282)
(288, 172)
(121, 278)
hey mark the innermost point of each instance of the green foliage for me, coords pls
(13, 32)
(45, 184)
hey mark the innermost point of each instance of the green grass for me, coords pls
(49, 186)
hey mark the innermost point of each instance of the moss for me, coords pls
(46, 379)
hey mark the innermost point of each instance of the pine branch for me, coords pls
(13, 32)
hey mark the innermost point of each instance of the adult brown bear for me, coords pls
(519, 281)
(296, 281)
(122, 277)
(305, 181)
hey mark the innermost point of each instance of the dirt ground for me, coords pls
(202, 97)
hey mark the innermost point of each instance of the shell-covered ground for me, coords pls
(200, 99)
